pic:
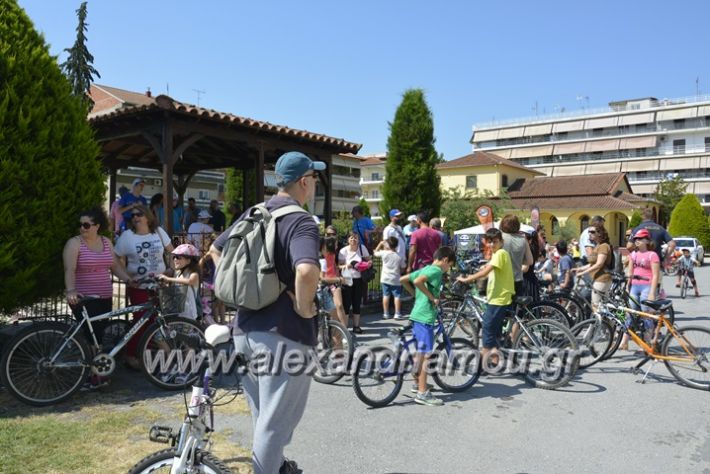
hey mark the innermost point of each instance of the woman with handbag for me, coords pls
(349, 259)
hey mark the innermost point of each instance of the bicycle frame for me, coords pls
(149, 308)
(649, 349)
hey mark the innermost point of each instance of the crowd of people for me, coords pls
(414, 257)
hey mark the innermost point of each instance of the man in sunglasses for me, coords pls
(278, 398)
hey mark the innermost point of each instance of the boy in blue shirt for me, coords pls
(565, 265)
(425, 285)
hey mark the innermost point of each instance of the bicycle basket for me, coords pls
(172, 298)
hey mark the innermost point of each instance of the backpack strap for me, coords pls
(290, 209)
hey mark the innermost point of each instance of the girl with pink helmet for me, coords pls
(187, 272)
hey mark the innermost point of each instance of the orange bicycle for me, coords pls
(685, 351)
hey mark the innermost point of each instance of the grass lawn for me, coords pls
(109, 434)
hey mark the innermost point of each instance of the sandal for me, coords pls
(357, 330)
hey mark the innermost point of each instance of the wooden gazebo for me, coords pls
(181, 139)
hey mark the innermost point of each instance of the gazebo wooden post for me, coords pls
(111, 187)
(328, 191)
(168, 158)
(260, 174)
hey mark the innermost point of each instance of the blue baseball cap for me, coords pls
(395, 212)
(294, 164)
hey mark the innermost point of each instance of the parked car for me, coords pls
(692, 244)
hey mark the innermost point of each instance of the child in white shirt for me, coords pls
(389, 276)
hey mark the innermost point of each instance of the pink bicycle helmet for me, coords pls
(186, 250)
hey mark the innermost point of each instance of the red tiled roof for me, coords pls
(600, 191)
(163, 102)
(482, 158)
(127, 97)
(372, 161)
(559, 186)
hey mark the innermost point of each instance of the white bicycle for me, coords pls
(190, 451)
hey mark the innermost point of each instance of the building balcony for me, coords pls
(372, 181)
(373, 199)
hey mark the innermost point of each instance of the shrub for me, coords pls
(635, 219)
(48, 166)
(688, 218)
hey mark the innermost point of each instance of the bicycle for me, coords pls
(685, 351)
(684, 283)
(47, 362)
(455, 366)
(334, 347)
(190, 445)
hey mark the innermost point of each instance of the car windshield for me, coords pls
(684, 243)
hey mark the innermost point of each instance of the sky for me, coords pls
(340, 68)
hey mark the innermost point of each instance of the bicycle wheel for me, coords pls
(546, 310)
(684, 287)
(30, 376)
(575, 309)
(162, 461)
(458, 368)
(617, 337)
(594, 338)
(549, 352)
(692, 356)
(377, 378)
(169, 352)
(334, 350)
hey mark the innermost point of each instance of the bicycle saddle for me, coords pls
(523, 300)
(217, 334)
(658, 305)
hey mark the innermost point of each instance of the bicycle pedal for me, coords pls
(161, 434)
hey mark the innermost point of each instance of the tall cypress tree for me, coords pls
(411, 182)
(48, 166)
(79, 67)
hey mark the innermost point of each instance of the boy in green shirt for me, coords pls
(425, 285)
(500, 291)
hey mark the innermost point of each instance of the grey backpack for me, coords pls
(246, 275)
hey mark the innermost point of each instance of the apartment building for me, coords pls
(372, 178)
(647, 138)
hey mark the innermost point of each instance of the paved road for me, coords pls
(604, 421)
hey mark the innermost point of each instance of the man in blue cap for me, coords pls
(278, 398)
(394, 230)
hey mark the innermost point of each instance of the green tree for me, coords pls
(79, 67)
(48, 166)
(233, 185)
(365, 207)
(412, 183)
(635, 219)
(688, 218)
(669, 191)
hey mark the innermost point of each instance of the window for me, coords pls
(471, 182)
(680, 123)
(220, 188)
(707, 143)
(623, 129)
(679, 146)
(504, 181)
(319, 190)
(202, 194)
(562, 135)
(375, 194)
(640, 152)
(597, 132)
(364, 195)
(641, 127)
(375, 176)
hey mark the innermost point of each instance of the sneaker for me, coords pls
(400, 316)
(386, 316)
(415, 387)
(289, 467)
(357, 330)
(427, 398)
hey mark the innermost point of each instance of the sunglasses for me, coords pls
(331, 234)
(592, 232)
(178, 257)
(86, 225)
(312, 175)
(137, 214)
